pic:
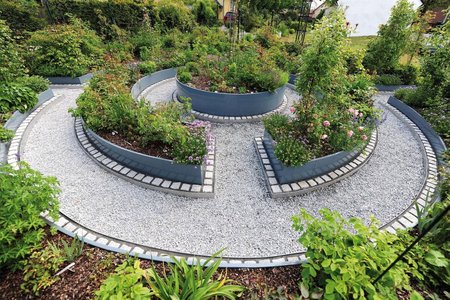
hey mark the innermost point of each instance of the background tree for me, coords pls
(385, 50)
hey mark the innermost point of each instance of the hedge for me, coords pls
(21, 16)
(126, 14)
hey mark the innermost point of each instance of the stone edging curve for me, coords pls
(278, 190)
(407, 219)
(113, 165)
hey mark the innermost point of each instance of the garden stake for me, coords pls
(435, 221)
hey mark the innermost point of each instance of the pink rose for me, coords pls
(351, 110)
(292, 109)
(326, 123)
(323, 137)
(350, 133)
(361, 115)
(364, 137)
(360, 128)
(356, 113)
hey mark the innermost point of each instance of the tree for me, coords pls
(322, 63)
(385, 50)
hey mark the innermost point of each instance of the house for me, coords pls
(224, 6)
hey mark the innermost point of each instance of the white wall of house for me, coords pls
(368, 14)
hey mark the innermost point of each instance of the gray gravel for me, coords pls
(242, 217)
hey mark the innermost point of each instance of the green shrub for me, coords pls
(408, 74)
(25, 194)
(405, 94)
(21, 15)
(346, 256)
(11, 64)
(129, 15)
(147, 67)
(205, 12)
(276, 125)
(121, 49)
(292, 152)
(37, 83)
(63, 50)
(388, 79)
(185, 76)
(173, 14)
(181, 282)
(14, 96)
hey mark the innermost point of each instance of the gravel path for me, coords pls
(242, 217)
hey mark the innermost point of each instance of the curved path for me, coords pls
(242, 217)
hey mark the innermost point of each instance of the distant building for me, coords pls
(224, 6)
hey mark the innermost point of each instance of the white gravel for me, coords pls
(242, 217)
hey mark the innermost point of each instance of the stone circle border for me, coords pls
(407, 219)
(206, 190)
(277, 190)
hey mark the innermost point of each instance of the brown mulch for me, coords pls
(157, 149)
(94, 266)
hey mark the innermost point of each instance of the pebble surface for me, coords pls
(242, 217)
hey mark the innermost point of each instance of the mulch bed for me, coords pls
(157, 149)
(94, 266)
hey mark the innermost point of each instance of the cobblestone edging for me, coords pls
(278, 190)
(206, 190)
(17, 119)
(227, 119)
(67, 226)
(409, 217)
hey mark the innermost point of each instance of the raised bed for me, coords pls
(70, 80)
(314, 168)
(435, 140)
(17, 118)
(146, 164)
(228, 104)
(151, 79)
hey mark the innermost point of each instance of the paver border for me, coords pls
(110, 164)
(282, 190)
(67, 226)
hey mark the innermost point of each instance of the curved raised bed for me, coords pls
(435, 140)
(314, 168)
(233, 105)
(17, 118)
(151, 79)
(149, 165)
(392, 88)
(70, 80)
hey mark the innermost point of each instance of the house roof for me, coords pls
(439, 16)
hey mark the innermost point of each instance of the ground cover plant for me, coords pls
(336, 111)
(165, 130)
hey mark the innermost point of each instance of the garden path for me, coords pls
(242, 217)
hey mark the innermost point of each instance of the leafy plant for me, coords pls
(292, 152)
(388, 79)
(25, 194)
(181, 282)
(192, 282)
(14, 96)
(5, 134)
(345, 257)
(40, 269)
(37, 83)
(73, 250)
(147, 67)
(63, 50)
